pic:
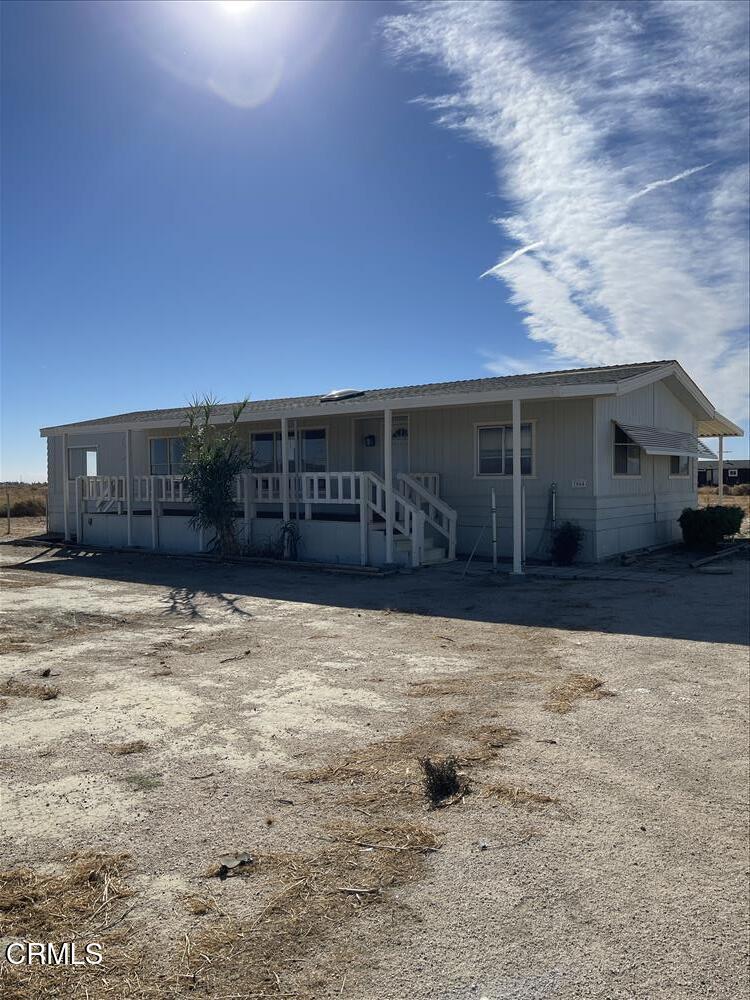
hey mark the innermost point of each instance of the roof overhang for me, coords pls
(719, 426)
(658, 441)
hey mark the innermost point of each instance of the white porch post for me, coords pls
(285, 468)
(517, 493)
(154, 518)
(363, 519)
(129, 483)
(388, 477)
(65, 486)
(79, 515)
(247, 482)
(721, 467)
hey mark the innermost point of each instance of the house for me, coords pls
(408, 474)
(735, 472)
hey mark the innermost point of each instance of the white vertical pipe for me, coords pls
(721, 467)
(129, 483)
(494, 531)
(285, 468)
(517, 497)
(66, 494)
(388, 477)
(248, 530)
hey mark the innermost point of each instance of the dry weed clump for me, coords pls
(123, 749)
(441, 781)
(15, 688)
(315, 894)
(516, 796)
(563, 696)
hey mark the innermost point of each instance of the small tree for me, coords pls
(212, 458)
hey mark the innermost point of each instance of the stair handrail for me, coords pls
(450, 515)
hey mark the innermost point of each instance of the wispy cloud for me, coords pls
(669, 180)
(514, 256)
(581, 105)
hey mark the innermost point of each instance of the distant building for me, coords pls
(735, 472)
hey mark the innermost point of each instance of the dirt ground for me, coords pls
(597, 847)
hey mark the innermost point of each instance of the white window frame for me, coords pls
(163, 437)
(276, 432)
(732, 474)
(624, 475)
(681, 475)
(493, 425)
(82, 447)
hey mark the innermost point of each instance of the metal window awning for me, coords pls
(655, 441)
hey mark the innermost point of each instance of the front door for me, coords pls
(368, 445)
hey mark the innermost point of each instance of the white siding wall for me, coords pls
(634, 512)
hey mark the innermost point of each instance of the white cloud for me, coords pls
(581, 105)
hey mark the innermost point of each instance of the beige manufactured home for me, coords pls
(407, 475)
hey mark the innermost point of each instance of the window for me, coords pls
(732, 473)
(627, 454)
(166, 456)
(679, 465)
(82, 462)
(265, 447)
(495, 450)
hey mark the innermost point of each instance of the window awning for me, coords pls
(655, 441)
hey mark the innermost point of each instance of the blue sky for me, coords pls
(251, 199)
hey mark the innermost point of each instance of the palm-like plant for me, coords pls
(212, 458)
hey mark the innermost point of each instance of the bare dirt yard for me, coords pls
(213, 771)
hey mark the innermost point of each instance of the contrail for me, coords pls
(514, 256)
(669, 180)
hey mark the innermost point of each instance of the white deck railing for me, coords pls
(404, 511)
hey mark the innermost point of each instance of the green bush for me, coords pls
(705, 528)
(566, 543)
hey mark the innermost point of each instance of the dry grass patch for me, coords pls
(124, 749)
(15, 688)
(84, 902)
(563, 696)
(473, 683)
(313, 895)
(515, 796)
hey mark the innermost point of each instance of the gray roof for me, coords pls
(567, 377)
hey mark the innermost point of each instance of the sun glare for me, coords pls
(236, 8)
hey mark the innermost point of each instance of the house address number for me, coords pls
(579, 484)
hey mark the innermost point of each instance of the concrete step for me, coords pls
(434, 554)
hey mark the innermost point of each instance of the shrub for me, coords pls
(741, 490)
(24, 508)
(705, 528)
(566, 543)
(213, 457)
